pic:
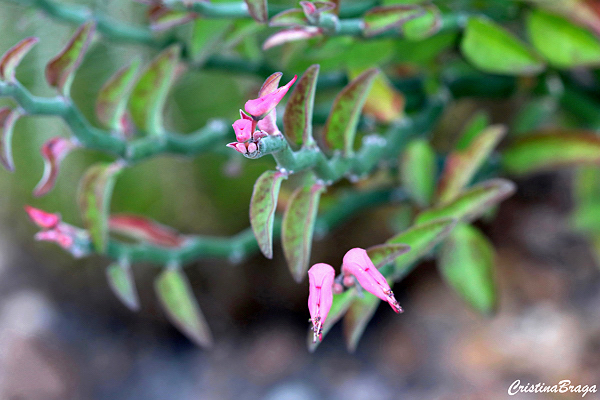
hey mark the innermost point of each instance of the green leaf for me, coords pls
(258, 10)
(421, 238)
(418, 171)
(262, 209)
(177, 299)
(562, 43)
(357, 317)
(339, 306)
(12, 58)
(120, 280)
(471, 203)
(298, 227)
(546, 151)
(384, 254)
(380, 19)
(492, 49)
(61, 69)
(424, 26)
(297, 119)
(472, 129)
(466, 262)
(112, 99)
(94, 195)
(148, 97)
(207, 37)
(384, 102)
(340, 128)
(8, 118)
(461, 165)
(292, 17)
(534, 114)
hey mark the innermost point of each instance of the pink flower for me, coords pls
(357, 262)
(42, 218)
(242, 129)
(320, 298)
(260, 107)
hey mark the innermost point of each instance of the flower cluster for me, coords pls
(259, 119)
(357, 266)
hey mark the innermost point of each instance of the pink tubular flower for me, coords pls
(320, 297)
(242, 129)
(358, 263)
(260, 107)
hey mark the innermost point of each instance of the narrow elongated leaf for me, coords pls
(95, 193)
(562, 43)
(291, 35)
(13, 56)
(61, 69)
(298, 227)
(293, 17)
(466, 262)
(421, 238)
(386, 253)
(341, 303)
(297, 119)
(357, 317)
(473, 128)
(418, 171)
(53, 152)
(177, 299)
(145, 229)
(162, 18)
(546, 151)
(471, 203)
(258, 10)
(380, 19)
(461, 165)
(149, 95)
(112, 99)
(8, 118)
(384, 102)
(340, 129)
(491, 48)
(120, 280)
(262, 209)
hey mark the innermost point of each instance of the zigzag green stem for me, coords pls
(238, 247)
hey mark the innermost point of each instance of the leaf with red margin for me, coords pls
(53, 152)
(271, 84)
(111, 103)
(293, 17)
(61, 69)
(145, 229)
(291, 35)
(12, 58)
(120, 280)
(162, 18)
(297, 118)
(8, 118)
(258, 10)
(381, 19)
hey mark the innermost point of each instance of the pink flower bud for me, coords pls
(54, 235)
(260, 107)
(357, 262)
(252, 147)
(239, 147)
(320, 297)
(41, 218)
(242, 129)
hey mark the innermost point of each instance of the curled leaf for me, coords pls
(145, 229)
(53, 152)
(291, 35)
(112, 99)
(13, 56)
(61, 69)
(8, 118)
(262, 209)
(381, 19)
(120, 280)
(297, 119)
(258, 10)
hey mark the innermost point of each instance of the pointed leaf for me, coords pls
(491, 48)
(270, 85)
(293, 17)
(423, 26)
(61, 69)
(112, 99)
(149, 95)
(291, 35)
(162, 18)
(262, 209)
(340, 128)
(384, 254)
(53, 152)
(177, 299)
(258, 10)
(384, 102)
(561, 42)
(12, 58)
(120, 280)
(145, 229)
(297, 119)
(298, 227)
(380, 19)
(421, 238)
(473, 128)
(418, 171)
(357, 317)
(466, 262)
(95, 193)
(341, 303)
(546, 151)
(8, 118)
(461, 166)
(471, 203)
